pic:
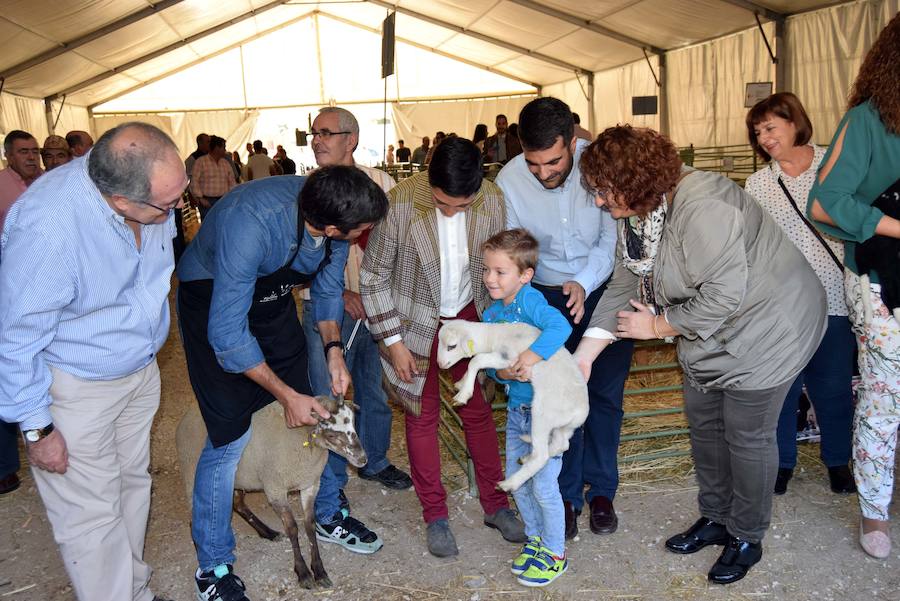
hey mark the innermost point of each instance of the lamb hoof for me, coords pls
(306, 582)
(506, 486)
(525, 438)
(460, 399)
(523, 459)
(458, 385)
(324, 582)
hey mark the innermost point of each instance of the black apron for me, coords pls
(228, 400)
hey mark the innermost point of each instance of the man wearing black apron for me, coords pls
(242, 339)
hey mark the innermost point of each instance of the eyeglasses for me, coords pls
(326, 134)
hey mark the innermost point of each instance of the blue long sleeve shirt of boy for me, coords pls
(532, 308)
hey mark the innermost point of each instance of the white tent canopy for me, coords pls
(66, 63)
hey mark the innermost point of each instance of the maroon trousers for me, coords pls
(481, 440)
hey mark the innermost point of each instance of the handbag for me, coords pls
(811, 227)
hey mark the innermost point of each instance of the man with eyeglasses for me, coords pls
(335, 135)
(543, 192)
(423, 263)
(84, 281)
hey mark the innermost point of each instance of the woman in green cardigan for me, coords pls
(862, 162)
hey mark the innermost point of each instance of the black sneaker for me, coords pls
(220, 584)
(389, 477)
(349, 533)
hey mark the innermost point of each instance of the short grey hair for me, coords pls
(127, 171)
(346, 120)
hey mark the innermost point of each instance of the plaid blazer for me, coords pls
(400, 280)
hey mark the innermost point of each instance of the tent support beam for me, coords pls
(589, 25)
(590, 99)
(480, 36)
(416, 100)
(757, 9)
(663, 103)
(780, 50)
(157, 53)
(64, 47)
(200, 60)
(432, 50)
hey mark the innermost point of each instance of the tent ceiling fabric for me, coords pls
(520, 38)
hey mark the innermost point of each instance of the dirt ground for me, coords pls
(811, 551)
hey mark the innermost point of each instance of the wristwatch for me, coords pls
(37, 434)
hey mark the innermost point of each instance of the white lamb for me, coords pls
(560, 403)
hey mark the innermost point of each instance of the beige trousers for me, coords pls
(99, 507)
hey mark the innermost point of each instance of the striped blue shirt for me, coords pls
(76, 293)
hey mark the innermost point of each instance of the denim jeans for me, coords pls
(9, 449)
(373, 420)
(538, 500)
(592, 457)
(212, 502)
(827, 377)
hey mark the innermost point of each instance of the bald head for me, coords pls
(79, 142)
(127, 159)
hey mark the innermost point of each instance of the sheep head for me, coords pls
(454, 343)
(337, 432)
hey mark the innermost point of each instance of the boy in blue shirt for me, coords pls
(510, 258)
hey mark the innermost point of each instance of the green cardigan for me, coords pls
(868, 164)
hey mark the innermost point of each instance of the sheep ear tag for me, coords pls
(471, 346)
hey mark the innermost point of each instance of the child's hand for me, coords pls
(522, 367)
(506, 374)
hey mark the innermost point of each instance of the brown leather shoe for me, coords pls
(571, 520)
(603, 517)
(9, 483)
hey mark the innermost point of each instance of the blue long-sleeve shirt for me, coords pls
(76, 292)
(532, 308)
(250, 233)
(577, 240)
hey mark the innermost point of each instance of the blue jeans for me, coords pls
(592, 457)
(373, 420)
(827, 377)
(212, 502)
(538, 500)
(9, 449)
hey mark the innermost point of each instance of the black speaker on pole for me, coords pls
(387, 45)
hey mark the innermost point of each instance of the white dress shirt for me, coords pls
(456, 283)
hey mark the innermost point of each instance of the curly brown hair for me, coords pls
(640, 164)
(878, 77)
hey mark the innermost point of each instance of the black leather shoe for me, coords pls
(389, 477)
(603, 517)
(9, 483)
(781, 481)
(571, 520)
(703, 533)
(841, 480)
(735, 561)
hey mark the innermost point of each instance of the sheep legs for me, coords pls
(304, 576)
(466, 386)
(307, 506)
(531, 463)
(240, 508)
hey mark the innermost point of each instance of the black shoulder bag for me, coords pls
(811, 227)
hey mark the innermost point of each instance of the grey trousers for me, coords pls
(736, 455)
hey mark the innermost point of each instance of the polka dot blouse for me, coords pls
(763, 186)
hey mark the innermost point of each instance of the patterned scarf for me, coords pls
(642, 236)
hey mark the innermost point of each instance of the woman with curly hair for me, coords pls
(862, 162)
(700, 260)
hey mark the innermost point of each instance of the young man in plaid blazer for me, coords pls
(423, 263)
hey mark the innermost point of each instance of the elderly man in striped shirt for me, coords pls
(84, 281)
(212, 176)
